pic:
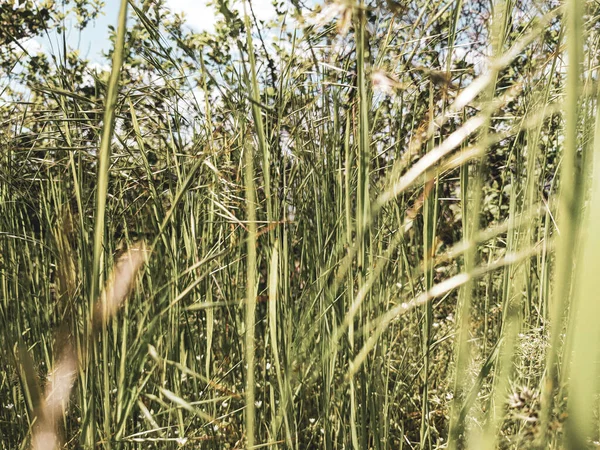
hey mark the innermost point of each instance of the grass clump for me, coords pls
(353, 225)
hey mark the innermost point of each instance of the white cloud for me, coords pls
(99, 67)
(32, 46)
(202, 17)
(198, 14)
(263, 9)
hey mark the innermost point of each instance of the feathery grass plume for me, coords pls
(50, 408)
(55, 400)
(386, 83)
(340, 8)
(119, 283)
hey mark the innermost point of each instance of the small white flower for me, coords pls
(291, 213)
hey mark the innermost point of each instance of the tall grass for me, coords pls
(352, 234)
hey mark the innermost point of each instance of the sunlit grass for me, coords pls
(342, 246)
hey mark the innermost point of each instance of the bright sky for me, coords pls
(94, 38)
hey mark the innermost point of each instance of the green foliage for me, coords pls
(20, 20)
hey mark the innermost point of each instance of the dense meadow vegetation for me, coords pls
(353, 225)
